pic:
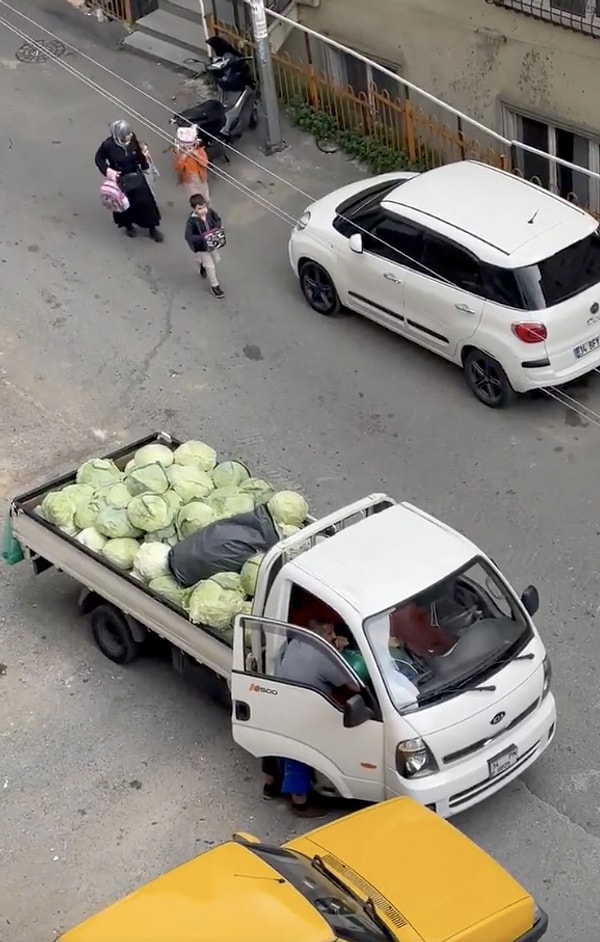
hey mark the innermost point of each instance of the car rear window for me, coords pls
(570, 271)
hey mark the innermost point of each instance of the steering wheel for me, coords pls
(460, 622)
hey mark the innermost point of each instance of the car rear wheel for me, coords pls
(487, 380)
(319, 289)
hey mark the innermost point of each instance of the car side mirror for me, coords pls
(356, 243)
(531, 600)
(356, 711)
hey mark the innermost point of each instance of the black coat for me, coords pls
(129, 159)
(195, 229)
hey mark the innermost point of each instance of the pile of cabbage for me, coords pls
(132, 517)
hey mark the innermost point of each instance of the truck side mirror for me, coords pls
(356, 244)
(531, 600)
(356, 711)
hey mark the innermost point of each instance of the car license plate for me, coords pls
(503, 761)
(584, 348)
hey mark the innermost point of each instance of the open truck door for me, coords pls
(339, 734)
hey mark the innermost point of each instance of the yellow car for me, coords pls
(394, 872)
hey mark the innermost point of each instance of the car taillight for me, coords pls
(530, 333)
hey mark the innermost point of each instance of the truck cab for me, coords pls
(454, 694)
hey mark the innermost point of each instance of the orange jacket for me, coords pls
(191, 164)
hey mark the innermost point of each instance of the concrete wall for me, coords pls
(474, 55)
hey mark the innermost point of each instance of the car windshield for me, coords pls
(348, 918)
(447, 638)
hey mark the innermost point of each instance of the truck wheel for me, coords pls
(113, 635)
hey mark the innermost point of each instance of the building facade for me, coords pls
(528, 69)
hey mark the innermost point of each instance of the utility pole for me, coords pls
(274, 141)
(203, 15)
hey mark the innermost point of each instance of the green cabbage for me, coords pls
(116, 495)
(121, 552)
(194, 516)
(153, 454)
(79, 493)
(229, 473)
(259, 490)
(149, 479)
(289, 508)
(98, 472)
(197, 453)
(58, 509)
(129, 466)
(173, 500)
(70, 530)
(152, 561)
(171, 590)
(85, 514)
(246, 608)
(149, 512)
(249, 574)
(167, 535)
(229, 580)
(114, 523)
(92, 539)
(211, 605)
(285, 530)
(230, 501)
(190, 482)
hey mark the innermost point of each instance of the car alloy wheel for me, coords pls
(318, 289)
(487, 380)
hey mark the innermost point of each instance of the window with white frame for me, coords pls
(344, 69)
(568, 145)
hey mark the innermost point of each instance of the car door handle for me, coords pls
(464, 308)
(391, 277)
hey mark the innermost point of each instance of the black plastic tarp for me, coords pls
(223, 546)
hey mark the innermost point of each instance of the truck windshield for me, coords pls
(447, 638)
(349, 919)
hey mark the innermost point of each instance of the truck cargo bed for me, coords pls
(47, 546)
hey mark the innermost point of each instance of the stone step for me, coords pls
(174, 29)
(186, 9)
(167, 53)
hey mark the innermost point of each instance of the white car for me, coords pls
(477, 265)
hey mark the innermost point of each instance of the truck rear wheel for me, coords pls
(113, 635)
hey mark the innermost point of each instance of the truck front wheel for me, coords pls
(113, 635)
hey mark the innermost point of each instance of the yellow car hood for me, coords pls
(420, 870)
(225, 895)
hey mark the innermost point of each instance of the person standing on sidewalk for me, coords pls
(205, 235)
(190, 162)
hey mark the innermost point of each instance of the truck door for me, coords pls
(297, 720)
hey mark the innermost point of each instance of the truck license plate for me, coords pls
(584, 348)
(503, 761)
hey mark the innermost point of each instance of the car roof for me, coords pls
(502, 218)
(386, 558)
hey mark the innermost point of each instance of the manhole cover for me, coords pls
(40, 51)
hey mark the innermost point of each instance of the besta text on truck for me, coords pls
(455, 699)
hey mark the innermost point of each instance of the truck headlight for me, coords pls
(303, 221)
(547, 676)
(414, 758)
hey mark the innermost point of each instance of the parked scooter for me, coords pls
(224, 119)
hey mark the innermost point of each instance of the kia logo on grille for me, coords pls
(497, 718)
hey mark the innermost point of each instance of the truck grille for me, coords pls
(355, 879)
(482, 743)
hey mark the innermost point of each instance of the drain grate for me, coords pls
(40, 51)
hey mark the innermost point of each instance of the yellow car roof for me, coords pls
(225, 895)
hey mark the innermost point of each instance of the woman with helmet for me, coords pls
(123, 153)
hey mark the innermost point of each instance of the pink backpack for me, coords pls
(112, 196)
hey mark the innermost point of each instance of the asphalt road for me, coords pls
(110, 776)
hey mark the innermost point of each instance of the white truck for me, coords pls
(454, 679)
